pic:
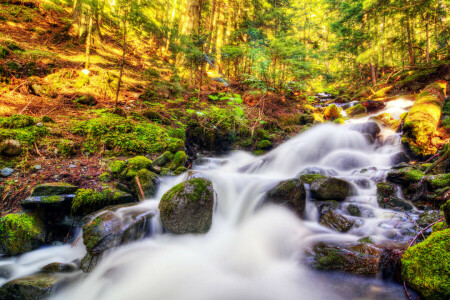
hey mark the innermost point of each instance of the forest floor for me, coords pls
(75, 125)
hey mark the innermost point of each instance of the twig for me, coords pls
(37, 150)
(441, 159)
(422, 231)
(76, 241)
(25, 107)
(140, 187)
(406, 290)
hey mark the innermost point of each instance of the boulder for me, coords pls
(290, 193)
(188, 207)
(317, 170)
(388, 121)
(87, 201)
(398, 158)
(332, 112)
(428, 217)
(354, 210)
(20, 233)
(54, 188)
(180, 159)
(335, 221)
(386, 197)
(10, 147)
(329, 188)
(325, 206)
(163, 160)
(112, 227)
(371, 128)
(149, 183)
(34, 287)
(59, 268)
(356, 110)
(405, 176)
(373, 106)
(425, 266)
(359, 259)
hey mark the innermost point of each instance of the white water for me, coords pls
(253, 253)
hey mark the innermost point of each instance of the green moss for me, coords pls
(309, 178)
(104, 177)
(16, 121)
(439, 226)
(426, 266)
(116, 167)
(52, 199)
(136, 164)
(263, 145)
(339, 121)
(180, 171)
(47, 119)
(441, 181)
(87, 200)
(148, 181)
(414, 175)
(180, 159)
(164, 159)
(332, 112)
(20, 233)
(66, 148)
(446, 210)
(356, 110)
(4, 52)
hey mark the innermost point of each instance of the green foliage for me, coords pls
(16, 121)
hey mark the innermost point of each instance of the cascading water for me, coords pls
(250, 252)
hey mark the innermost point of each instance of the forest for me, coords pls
(224, 149)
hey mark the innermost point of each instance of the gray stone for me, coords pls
(290, 193)
(7, 172)
(329, 188)
(34, 287)
(56, 188)
(10, 147)
(371, 128)
(336, 221)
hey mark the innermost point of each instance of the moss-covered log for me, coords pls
(422, 120)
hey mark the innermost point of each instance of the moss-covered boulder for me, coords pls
(426, 266)
(163, 160)
(59, 268)
(20, 233)
(422, 120)
(387, 197)
(289, 193)
(117, 167)
(359, 259)
(335, 221)
(112, 227)
(34, 287)
(332, 112)
(54, 188)
(446, 211)
(405, 176)
(136, 164)
(370, 128)
(180, 159)
(428, 217)
(148, 181)
(87, 201)
(188, 207)
(354, 210)
(388, 121)
(356, 110)
(329, 188)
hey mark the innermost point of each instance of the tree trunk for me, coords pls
(123, 60)
(88, 43)
(410, 46)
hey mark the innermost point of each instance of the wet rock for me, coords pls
(373, 106)
(317, 170)
(336, 221)
(360, 259)
(10, 147)
(113, 227)
(398, 158)
(388, 121)
(386, 197)
(425, 267)
(36, 168)
(329, 188)
(188, 207)
(163, 160)
(326, 206)
(354, 210)
(363, 183)
(62, 202)
(428, 217)
(34, 287)
(55, 188)
(149, 183)
(180, 159)
(87, 201)
(20, 233)
(6, 172)
(332, 112)
(59, 268)
(371, 128)
(405, 176)
(356, 110)
(289, 193)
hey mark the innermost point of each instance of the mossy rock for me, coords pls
(87, 201)
(148, 181)
(428, 217)
(54, 188)
(309, 178)
(388, 121)
(10, 147)
(371, 128)
(33, 287)
(163, 160)
(188, 207)
(136, 164)
(180, 170)
(335, 221)
(59, 268)
(356, 110)
(117, 167)
(358, 259)
(354, 210)
(290, 193)
(438, 181)
(426, 266)
(386, 197)
(264, 145)
(329, 188)
(180, 159)
(332, 112)
(405, 176)
(20, 233)
(446, 211)
(16, 122)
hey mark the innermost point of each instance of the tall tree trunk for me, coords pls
(428, 42)
(123, 59)
(88, 43)
(172, 17)
(410, 46)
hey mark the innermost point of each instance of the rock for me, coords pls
(59, 202)
(405, 176)
(136, 164)
(373, 106)
(20, 233)
(316, 170)
(371, 128)
(325, 206)
(264, 145)
(332, 112)
(363, 183)
(188, 207)
(329, 188)
(336, 221)
(428, 217)
(386, 197)
(36, 168)
(113, 227)
(388, 121)
(398, 158)
(289, 193)
(34, 287)
(10, 147)
(180, 159)
(87, 201)
(6, 172)
(425, 266)
(354, 210)
(358, 259)
(59, 268)
(356, 110)
(149, 183)
(51, 189)
(163, 160)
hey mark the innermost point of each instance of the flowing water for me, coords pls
(250, 252)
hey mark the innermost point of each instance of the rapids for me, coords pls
(250, 252)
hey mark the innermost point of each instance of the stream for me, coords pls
(251, 251)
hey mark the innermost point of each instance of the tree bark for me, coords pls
(123, 60)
